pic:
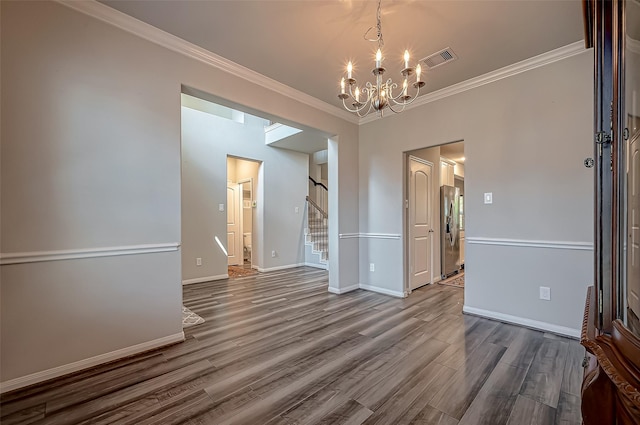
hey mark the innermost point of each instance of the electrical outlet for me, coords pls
(488, 198)
(220, 207)
(545, 293)
(198, 261)
(273, 254)
(297, 210)
(372, 267)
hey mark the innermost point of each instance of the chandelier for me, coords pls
(379, 95)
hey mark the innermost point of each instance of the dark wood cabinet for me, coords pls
(611, 328)
(611, 380)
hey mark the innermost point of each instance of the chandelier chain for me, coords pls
(379, 39)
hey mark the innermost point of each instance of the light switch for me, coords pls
(220, 207)
(488, 198)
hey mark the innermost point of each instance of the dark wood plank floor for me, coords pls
(277, 348)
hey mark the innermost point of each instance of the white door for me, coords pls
(633, 220)
(420, 223)
(234, 235)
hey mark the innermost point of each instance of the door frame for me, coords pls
(407, 242)
(240, 183)
(238, 217)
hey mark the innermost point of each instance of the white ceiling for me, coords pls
(306, 44)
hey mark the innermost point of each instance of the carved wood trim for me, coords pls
(611, 355)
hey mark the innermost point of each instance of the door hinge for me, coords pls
(603, 138)
(406, 203)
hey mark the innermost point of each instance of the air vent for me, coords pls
(439, 58)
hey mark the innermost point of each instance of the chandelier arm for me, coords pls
(397, 112)
(366, 113)
(353, 109)
(408, 101)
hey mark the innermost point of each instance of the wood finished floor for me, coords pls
(277, 348)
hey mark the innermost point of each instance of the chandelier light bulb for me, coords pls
(349, 70)
(418, 72)
(342, 86)
(406, 59)
(378, 58)
(357, 93)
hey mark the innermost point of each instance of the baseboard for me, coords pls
(523, 321)
(384, 291)
(344, 290)
(318, 265)
(205, 279)
(45, 375)
(273, 269)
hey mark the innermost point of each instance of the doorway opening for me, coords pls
(242, 178)
(434, 216)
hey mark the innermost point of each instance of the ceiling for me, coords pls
(453, 151)
(306, 44)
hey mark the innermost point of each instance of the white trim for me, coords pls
(420, 160)
(448, 161)
(34, 378)
(572, 245)
(205, 279)
(74, 254)
(322, 266)
(344, 290)
(493, 76)
(384, 291)
(273, 269)
(523, 321)
(369, 235)
(155, 35)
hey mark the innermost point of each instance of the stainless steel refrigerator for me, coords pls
(449, 230)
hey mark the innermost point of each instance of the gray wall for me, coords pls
(90, 151)
(525, 139)
(206, 141)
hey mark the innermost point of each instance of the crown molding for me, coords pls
(155, 35)
(493, 76)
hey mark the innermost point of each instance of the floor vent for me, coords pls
(439, 58)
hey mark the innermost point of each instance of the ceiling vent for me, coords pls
(439, 58)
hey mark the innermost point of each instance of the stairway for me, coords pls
(317, 232)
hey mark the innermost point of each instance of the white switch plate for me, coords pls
(198, 261)
(545, 293)
(488, 198)
(220, 207)
(273, 254)
(372, 267)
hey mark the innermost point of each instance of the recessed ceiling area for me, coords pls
(307, 44)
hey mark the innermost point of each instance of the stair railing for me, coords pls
(320, 194)
(317, 228)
